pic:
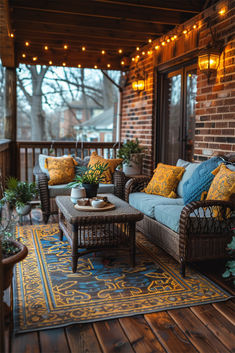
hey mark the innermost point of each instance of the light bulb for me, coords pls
(83, 48)
(65, 46)
(27, 44)
(103, 52)
(46, 47)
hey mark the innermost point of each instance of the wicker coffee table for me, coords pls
(95, 231)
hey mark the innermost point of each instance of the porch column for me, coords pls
(10, 129)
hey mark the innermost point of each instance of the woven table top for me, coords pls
(123, 212)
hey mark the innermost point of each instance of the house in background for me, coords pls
(77, 113)
(101, 127)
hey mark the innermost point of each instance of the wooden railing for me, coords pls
(28, 152)
(4, 160)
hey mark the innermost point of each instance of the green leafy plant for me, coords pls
(130, 151)
(230, 265)
(89, 175)
(18, 193)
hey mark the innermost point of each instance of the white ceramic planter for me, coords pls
(77, 193)
(135, 165)
(23, 211)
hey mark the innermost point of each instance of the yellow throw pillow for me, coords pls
(61, 170)
(165, 180)
(112, 165)
(223, 184)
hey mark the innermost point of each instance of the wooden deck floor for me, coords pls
(207, 328)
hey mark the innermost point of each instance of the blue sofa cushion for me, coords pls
(189, 169)
(147, 202)
(168, 215)
(61, 190)
(200, 180)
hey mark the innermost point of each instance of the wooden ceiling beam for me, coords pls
(90, 22)
(106, 11)
(72, 31)
(186, 6)
(7, 52)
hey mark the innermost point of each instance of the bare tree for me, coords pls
(52, 89)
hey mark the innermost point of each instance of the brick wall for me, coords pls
(215, 109)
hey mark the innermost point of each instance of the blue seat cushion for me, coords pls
(168, 215)
(61, 190)
(147, 202)
(200, 180)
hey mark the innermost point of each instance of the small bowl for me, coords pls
(83, 202)
(97, 203)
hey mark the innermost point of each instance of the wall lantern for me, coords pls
(139, 84)
(208, 61)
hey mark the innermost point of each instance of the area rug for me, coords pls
(47, 294)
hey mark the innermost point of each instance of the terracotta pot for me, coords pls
(91, 190)
(9, 263)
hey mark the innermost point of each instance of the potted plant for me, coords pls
(89, 177)
(132, 154)
(18, 194)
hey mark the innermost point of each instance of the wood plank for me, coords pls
(81, 338)
(111, 337)
(201, 337)
(53, 341)
(217, 323)
(168, 333)
(107, 10)
(140, 335)
(27, 342)
(7, 52)
(227, 309)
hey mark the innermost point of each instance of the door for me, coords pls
(177, 115)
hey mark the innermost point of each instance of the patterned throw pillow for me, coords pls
(223, 184)
(222, 188)
(112, 165)
(165, 180)
(61, 170)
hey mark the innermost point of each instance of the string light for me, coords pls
(194, 26)
(64, 64)
(50, 62)
(172, 38)
(108, 65)
(66, 46)
(23, 55)
(120, 51)
(133, 59)
(156, 47)
(175, 36)
(163, 43)
(46, 47)
(79, 65)
(83, 48)
(149, 52)
(35, 58)
(12, 35)
(150, 40)
(137, 48)
(122, 62)
(27, 44)
(143, 52)
(95, 67)
(103, 52)
(222, 12)
(168, 40)
(185, 31)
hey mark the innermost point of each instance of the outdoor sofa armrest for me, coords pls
(119, 180)
(42, 184)
(136, 184)
(197, 220)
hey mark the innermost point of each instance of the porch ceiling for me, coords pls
(97, 25)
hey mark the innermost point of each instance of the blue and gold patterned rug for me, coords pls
(47, 294)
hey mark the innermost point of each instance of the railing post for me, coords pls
(10, 130)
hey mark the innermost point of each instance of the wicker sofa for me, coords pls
(198, 235)
(48, 193)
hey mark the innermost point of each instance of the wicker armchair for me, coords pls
(201, 236)
(48, 203)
